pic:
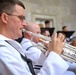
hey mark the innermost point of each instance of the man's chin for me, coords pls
(20, 36)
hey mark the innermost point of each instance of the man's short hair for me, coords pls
(47, 21)
(64, 27)
(7, 6)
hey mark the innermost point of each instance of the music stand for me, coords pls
(51, 30)
(68, 34)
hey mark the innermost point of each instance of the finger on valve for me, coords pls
(57, 43)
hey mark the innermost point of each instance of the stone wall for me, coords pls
(63, 11)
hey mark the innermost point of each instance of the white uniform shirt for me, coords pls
(30, 50)
(11, 62)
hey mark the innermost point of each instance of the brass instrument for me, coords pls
(69, 53)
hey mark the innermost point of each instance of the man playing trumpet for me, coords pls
(12, 22)
(29, 45)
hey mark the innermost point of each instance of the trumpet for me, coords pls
(69, 52)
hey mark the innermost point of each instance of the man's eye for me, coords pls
(21, 17)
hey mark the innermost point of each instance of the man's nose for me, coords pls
(24, 23)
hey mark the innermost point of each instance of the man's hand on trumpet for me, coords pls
(57, 43)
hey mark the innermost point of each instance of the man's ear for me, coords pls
(4, 17)
(29, 34)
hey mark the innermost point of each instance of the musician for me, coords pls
(29, 47)
(47, 23)
(72, 65)
(45, 32)
(12, 21)
(65, 29)
(42, 43)
(34, 53)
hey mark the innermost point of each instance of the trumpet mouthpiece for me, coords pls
(23, 30)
